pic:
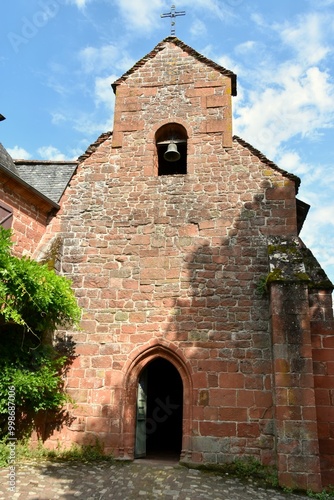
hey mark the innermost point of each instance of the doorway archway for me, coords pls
(139, 359)
(159, 411)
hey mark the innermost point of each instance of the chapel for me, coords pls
(207, 331)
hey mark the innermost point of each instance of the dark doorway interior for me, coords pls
(164, 410)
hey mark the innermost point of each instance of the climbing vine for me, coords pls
(34, 302)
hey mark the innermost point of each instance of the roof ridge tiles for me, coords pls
(93, 147)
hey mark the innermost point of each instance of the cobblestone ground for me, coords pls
(133, 481)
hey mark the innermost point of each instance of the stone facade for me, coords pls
(323, 362)
(30, 214)
(168, 270)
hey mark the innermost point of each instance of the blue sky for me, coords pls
(58, 59)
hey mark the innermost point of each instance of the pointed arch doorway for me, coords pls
(159, 411)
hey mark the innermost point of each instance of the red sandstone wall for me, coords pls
(323, 361)
(174, 261)
(29, 221)
(295, 413)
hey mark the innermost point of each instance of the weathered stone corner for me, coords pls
(286, 260)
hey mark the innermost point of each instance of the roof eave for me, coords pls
(18, 179)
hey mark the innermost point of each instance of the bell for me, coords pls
(172, 153)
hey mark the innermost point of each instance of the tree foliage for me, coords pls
(34, 302)
(31, 294)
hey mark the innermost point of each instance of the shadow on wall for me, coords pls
(222, 323)
(47, 421)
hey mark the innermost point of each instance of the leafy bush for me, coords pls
(34, 301)
(31, 294)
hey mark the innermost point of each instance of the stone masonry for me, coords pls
(168, 267)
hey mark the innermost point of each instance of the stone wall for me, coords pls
(323, 362)
(169, 266)
(29, 217)
(175, 261)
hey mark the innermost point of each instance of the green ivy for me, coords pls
(34, 302)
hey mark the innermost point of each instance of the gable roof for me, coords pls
(45, 179)
(48, 177)
(190, 51)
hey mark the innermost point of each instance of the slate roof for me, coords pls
(6, 161)
(48, 177)
(190, 51)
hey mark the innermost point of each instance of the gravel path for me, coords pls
(129, 481)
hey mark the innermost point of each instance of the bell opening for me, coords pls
(171, 144)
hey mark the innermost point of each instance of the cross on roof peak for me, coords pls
(172, 14)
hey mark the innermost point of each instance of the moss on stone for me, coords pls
(287, 249)
(262, 286)
(302, 277)
(275, 275)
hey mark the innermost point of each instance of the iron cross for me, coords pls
(172, 14)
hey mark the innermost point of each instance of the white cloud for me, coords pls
(50, 153)
(91, 122)
(222, 59)
(57, 118)
(97, 59)
(19, 153)
(81, 4)
(306, 37)
(56, 86)
(221, 10)
(317, 175)
(289, 100)
(141, 14)
(198, 28)
(292, 162)
(323, 216)
(293, 99)
(258, 19)
(107, 57)
(90, 126)
(103, 92)
(318, 234)
(245, 47)
(321, 3)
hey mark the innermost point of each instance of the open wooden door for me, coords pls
(140, 446)
(6, 216)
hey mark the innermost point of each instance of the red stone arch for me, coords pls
(166, 121)
(133, 370)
